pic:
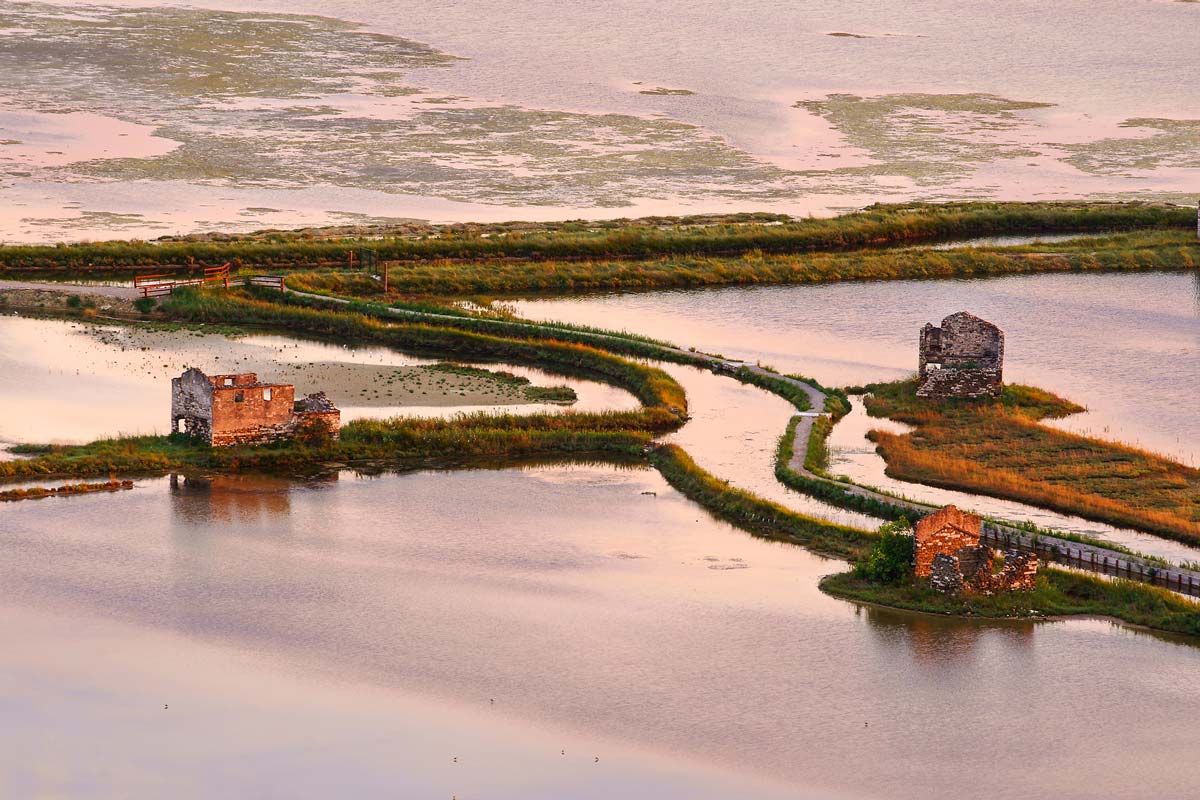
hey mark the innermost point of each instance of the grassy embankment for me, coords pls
(1144, 251)
(1058, 593)
(675, 252)
(997, 447)
(209, 307)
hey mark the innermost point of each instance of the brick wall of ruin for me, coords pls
(253, 410)
(234, 379)
(947, 540)
(331, 419)
(949, 515)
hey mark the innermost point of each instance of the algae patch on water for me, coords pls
(1170, 143)
(290, 101)
(928, 138)
(83, 55)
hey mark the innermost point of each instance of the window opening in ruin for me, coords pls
(239, 397)
(266, 394)
(181, 425)
(229, 381)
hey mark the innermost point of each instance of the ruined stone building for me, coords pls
(225, 410)
(962, 358)
(950, 555)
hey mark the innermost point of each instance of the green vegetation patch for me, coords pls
(666, 251)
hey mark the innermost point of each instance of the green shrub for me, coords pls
(145, 304)
(891, 558)
(74, 301)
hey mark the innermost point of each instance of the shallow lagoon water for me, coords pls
(353, 633)
(487, 111)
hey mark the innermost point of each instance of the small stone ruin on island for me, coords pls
(227, 410)
(962, 358)
(950, 555)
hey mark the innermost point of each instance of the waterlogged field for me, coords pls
(253, 113)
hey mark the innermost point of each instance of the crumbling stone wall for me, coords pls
(970, 570)
(945, 574)
(975, 563)
(944, 532)
(192, 402)
(1020, 571)
(962, 358)
(228, 410)
(317, 409)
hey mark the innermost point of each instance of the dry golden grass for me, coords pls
(996, 447)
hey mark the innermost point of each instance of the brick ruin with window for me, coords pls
(962, 358)
(227, 410)
(950, 555)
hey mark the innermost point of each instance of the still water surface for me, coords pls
(353, 633)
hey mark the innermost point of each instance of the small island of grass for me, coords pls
(997, 447)
(885, 576)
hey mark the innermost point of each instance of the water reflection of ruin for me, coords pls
(232, 498)
(937, 641)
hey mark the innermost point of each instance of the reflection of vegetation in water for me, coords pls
(928, 138)
(1173, 143)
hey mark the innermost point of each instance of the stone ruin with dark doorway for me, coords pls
(226, 410)
(962, 358)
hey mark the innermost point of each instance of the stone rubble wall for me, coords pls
(954, 382)
(944, 574)
(970, 570)
(192, 401)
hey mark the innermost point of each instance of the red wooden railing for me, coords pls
(164, 284)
